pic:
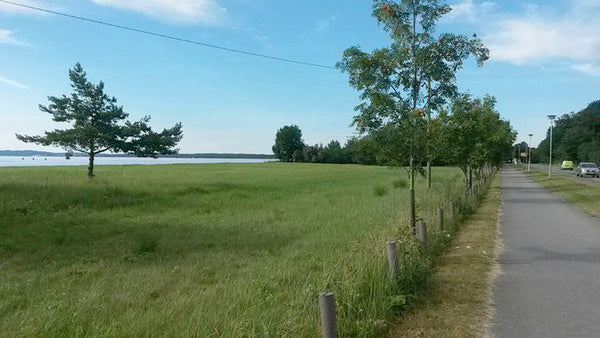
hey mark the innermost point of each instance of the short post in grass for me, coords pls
(392, 256)
(440, 217)
(423, 236)
(452, 211)
(328, 318)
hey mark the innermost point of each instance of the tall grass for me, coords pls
(223, 250)
(456, 300)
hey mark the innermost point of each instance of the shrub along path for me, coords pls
(550, 265)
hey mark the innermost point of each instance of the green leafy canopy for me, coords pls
(401, 84)
(392, 80)
(287, 141)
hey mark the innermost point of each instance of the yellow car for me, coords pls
(566, 165)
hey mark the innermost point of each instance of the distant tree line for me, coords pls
(468, 133)
(290, 147)
(575, 137)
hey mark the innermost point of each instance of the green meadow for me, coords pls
(212, 250)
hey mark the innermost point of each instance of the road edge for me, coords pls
(496, 269)
(458, 299)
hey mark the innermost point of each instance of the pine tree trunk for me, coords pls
(91, 165)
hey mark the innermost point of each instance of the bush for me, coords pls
(298, 156)
(380, 190)
(401, 183)
(145, 244)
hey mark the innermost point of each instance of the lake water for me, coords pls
(39, 161)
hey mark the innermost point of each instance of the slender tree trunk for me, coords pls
(465, 172)
(414, 57)
(428, 135)
(428, 173)
(411, 199)
(91, 165)
(412, 218)
(415, 96)
(470, 176)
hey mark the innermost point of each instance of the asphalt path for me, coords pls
(550, 280)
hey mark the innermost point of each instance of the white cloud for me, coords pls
(524, 41)
(7, 38)
(8, 8)
(588, 68)
(468, 10)
(207, 12)
(13, 83)
(539, 37)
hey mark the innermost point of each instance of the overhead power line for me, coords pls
(165, 36)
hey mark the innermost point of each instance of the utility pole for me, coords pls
(529, 153)
(551, 117)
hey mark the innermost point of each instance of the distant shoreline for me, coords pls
(30, 153)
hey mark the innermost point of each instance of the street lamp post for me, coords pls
(551, 117)
(529, 153)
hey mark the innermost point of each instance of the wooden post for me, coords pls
(452, 211)
(423, 236)
(328, 317)
(392, 256)
(440, 217)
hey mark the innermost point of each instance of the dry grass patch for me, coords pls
(456, 301)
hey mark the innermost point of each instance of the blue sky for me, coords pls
(545, 59)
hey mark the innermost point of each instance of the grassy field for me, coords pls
(456, 301)
(223, 250)
(584, 196)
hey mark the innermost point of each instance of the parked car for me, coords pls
(587, 169)
(566, 165)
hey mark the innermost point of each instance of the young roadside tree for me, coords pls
(98, 124)
(287, 140)
(475, 135)
(401, 84)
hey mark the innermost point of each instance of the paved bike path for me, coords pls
(550, 280)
